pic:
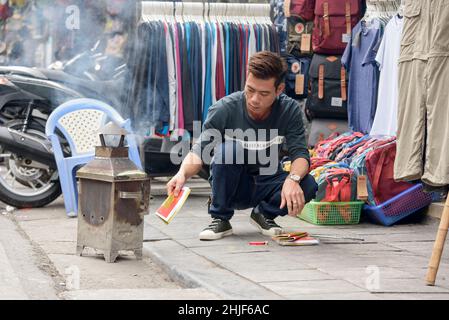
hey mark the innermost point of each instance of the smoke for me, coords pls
(39, 33)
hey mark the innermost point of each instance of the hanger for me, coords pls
(208, 11)
(182, 12)
(165, 6)
(246, 12)
(401, 11)
(216, 7)
(211, 12)
(224, 13)
(186, 12)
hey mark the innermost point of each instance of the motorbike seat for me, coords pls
(100, 89)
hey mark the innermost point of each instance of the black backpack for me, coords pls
(328, 82)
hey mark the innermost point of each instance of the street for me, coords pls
(37, 256)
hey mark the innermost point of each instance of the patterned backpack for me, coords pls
(279, 20)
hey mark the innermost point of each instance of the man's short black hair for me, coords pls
(266, 65)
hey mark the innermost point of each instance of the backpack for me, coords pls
(328, 88)
(334, 20)
(297, 77)
(350, 148)
(316, 162)
(380, 172)
(5, 11)
(337, 185)
(299, 36)
(302, 8)
(330, 146)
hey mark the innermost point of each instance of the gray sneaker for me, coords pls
(265, 225)
(216, 230)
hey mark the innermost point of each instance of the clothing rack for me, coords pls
(382, 9)
(190, 55)
(206, 11)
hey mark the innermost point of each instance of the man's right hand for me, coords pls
(175, 184)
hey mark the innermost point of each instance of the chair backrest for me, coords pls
(81, 126)
(79, 121)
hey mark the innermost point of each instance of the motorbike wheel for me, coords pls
(25, 186)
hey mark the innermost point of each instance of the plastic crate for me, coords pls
(399, 207)
(332, 213)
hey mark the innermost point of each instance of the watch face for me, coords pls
(295, 177)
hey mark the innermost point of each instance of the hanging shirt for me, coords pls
(252, 48)
(227, 57)
(220, 77)
(179, 56)
(207, 70)
(359, 61)
(137, 95)
(196, 71)
(171, 74)
(266, 42)
(223, 54)
(203, 57)
(385, 121)
(187, 85)
(212, 79)
(157, 110)
(276, 40)
(235, 59)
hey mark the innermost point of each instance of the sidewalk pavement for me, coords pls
(39, 262)
(390, 263)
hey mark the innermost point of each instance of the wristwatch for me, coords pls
(295, 177)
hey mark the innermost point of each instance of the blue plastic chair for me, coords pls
(79, 121)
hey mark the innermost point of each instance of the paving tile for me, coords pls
(413, 296)
(317, 287)
(51, 230)
(262, 276)
(407, 286)
(335, 296)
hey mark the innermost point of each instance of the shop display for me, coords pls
(348, 165)
(167, 89)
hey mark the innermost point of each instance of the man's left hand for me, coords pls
(292, 196)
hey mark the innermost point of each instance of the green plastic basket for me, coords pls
(332, 213)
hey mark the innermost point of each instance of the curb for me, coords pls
(194, 271)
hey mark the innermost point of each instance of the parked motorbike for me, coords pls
(28, 173)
